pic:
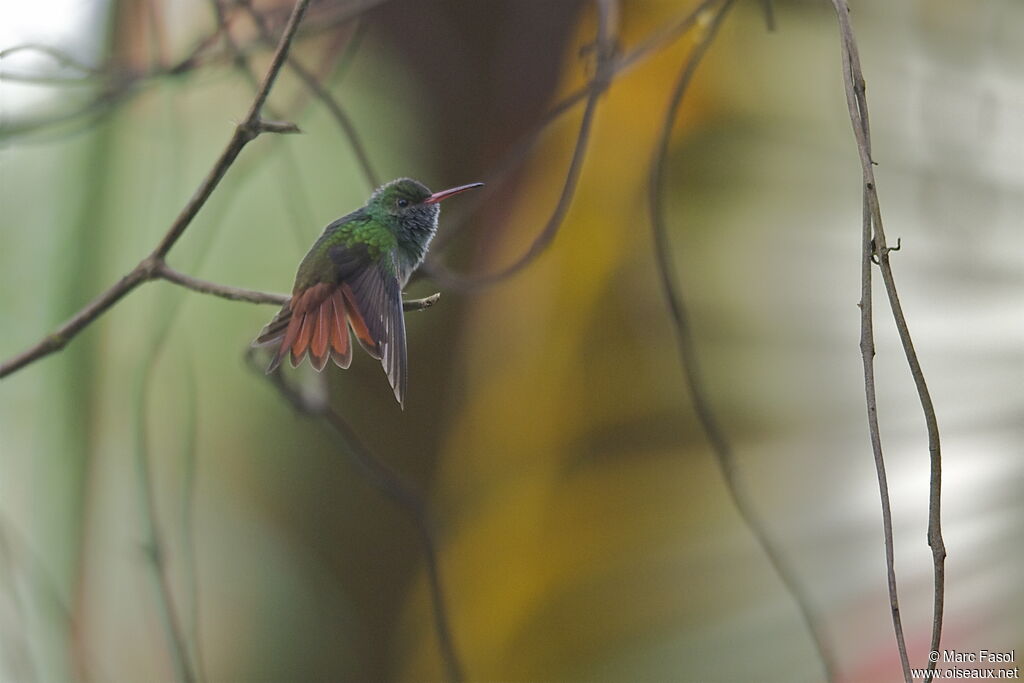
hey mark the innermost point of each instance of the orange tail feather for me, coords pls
(355, 318)
(319, 324)
(324, 322)
(341, 347)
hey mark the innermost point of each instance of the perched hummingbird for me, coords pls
(353, 277)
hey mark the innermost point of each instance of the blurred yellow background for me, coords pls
(584, 530)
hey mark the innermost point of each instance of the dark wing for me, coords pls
(273, 331)
(371, 288)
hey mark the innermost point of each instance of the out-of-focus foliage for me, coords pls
(585, 531)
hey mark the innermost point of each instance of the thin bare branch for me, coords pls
(245, 131)
(223, 291)
(421, 304)
(149, 268)
(254, 296)
(720, 444)
(391, 484)
(604, 47)
(278, 127)
(867, 349)
(290, 183)
(58, 339)
(874, 247)
(519, 151)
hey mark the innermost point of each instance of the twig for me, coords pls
(605, 47)
(291, 187)
(391, 484)
(421, 304)
(720, 445)
(255, 296)
(223, 291)
(867, 349)
(874, 248)
(290, 184)
(245, 132)
(278, 127)
(57, 340)
(519, 151)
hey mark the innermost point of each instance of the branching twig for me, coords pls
(245, 132)
(720, 445)
(291, 186)
(874, 248)
(608, 66)
(147, 269)
(389, 482)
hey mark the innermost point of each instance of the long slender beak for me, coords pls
(445, 194)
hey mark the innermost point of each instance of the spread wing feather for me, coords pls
(373, 290)
(366, 297)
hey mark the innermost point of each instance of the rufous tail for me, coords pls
(316, 322)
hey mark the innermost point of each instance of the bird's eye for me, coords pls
(402, 203)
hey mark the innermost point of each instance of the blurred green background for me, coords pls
(584, 530)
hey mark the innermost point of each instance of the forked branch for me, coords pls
(149, 267)
(875, 250)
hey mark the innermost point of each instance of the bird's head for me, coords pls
(407, 204)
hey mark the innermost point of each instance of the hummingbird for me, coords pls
(353, 277)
